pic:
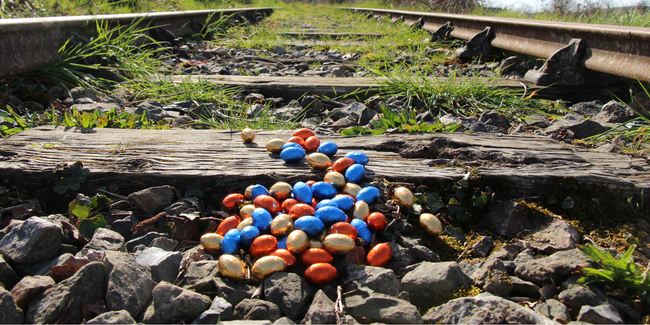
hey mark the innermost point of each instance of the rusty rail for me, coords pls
(27, 44)
(618, 50)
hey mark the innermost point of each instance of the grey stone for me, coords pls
(233, 292)
(284, 321)
(429, 282)
(106, 240)
(523, 288)
(123, 226)
(91, 107)
(256, 309)
(35, 240)
(199, 276)
(44, 267)
(493, 277)
(401, 256)
(155, 110)
(314, 104)
(9, 312)
(554, 309)
(56, 92)
(483, 247)
(220, 310)
(578, 296)
(507, 252)
(68, 296)
(614, 112)
(557, 266)
(113, 317)
(254, 98)
(164, 243)
(8, 277)
(171, 304)
(484, 308)
(279, 49)
(525, 256)
(143, 240)
(321, 310)
(378, 307)
(377, 279)
(578, 127)
(128, 284)
(163, 264)
(492, 118)
(255, 110)
(246, 322)
(80, 92)
(415, 244)
(587, 108)
(152, 200)
(601, 314)
(177, 208)
(289, 291)
(30, 287)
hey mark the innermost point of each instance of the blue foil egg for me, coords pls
(328, 148)
(302, 193)
(331, 215)
(261, 219)
(282, 242)
(323, 190)
(291, 145)
(343, 202)
(293, 154)
(231, 242)
(363, 232)
(326, 203)
(311, 225)
(258, 190)
(358, 157)
(355, 173)
(248, 234)
(368, 194)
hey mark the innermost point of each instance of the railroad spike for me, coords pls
(477, 46)
(562, 67)
(418, 24)
(442, 33)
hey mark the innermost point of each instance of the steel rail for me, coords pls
(619, 50)
(28, 44)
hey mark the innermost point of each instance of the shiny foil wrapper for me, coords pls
(335, 178)
(318, 160)
(338, 244)
(231, 267)
(275, 146)
(227, 224)
(247, 135)
(404, 196)
(351, 188)
(316, 255)
(379, 255)
(288, 257)
(281, 225)
(431, 224)
(266, 266)
(344, 228)
(232, 201)
(246, 211)
(361, 210)
(211, 242)
(321, 273)
(267, 202)
(244, 223)
(377, 222)
(297, 241)
(263, 245)
(281, 191)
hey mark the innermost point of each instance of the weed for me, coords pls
(119, 147)
(83, 208)
(402, 122)
(70, 177)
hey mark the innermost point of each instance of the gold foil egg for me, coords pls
(231, 267)
(361, 210)
(338, 244)
(281, 191)
(248, 135)
(211, 242)
(335, 178)
(281, 225)
(244, 223)
(431, 224)
(275, 145)
(246, 211)
(266, 266)
(248, 193)
(297, 241)
(318, 160)
(315, 243)
(351, 188)
(404, 196)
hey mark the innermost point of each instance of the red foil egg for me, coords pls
(303, 133)
(232, 201)
(286, 255)
(345, 229)
(341, 164)
(377, 222)
(310, 182)
(287, 205)
(312, 143)
(379, 255)
(321, 273)
(227, 224)
(300, 210)
(267, 202)
(315, 255)
(314, 203)
(297, 140)
(263, 245)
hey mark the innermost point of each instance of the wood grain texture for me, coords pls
(519, 164)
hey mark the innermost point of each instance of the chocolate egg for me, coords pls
(342, 164)
(266, 266)
(315, 243)
(282, 242)
(281, 191)
(303, 133)
(315, 255)
(302, 192)
(248, 135)
(355, 173)
(368, 194)
(246, 211)
(263, 245)
(301, 209)
(335, 178)
(231, 242)
(344, 202)
(267, 202)
(248, 235)
(377, 222)
(297, 241)
(351, 188)
(325, 203)
(262, 219)
(358, 157)
(248, 193)
(431, 224)
(364, 235)
(379, 255)
(345, 229)
(232, 201)
(328, 148)
(257, 190)
(297, 140)
(211, 242)
(287, 256)
(311, 225)
(318, 160)
(323, 190)
(245, 223)
(287, 204)
(321, 273)
(275, 145)
(338, 244)
(312, 143)
(310, 182)
(292, 154)
(231, 267)
(291, 145)
(404, 196)
(361, 210)
(227, 224)
(330, 215)
(281, 225)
